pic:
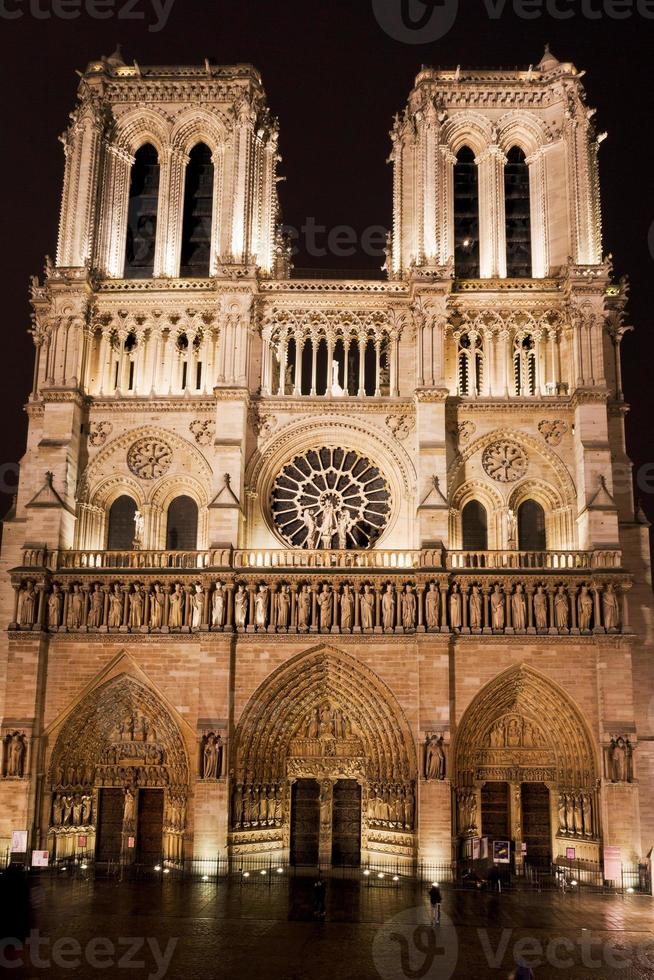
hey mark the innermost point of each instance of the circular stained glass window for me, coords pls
(330, 498)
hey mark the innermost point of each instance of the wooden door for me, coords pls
(149, 834)
(305, 821)
(111, 806)
(346, 823)
(536, 823)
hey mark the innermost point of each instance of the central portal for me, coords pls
(326, 822)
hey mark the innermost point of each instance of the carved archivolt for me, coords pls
(307, 692)
(523, 727)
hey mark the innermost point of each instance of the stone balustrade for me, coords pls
(340, 601)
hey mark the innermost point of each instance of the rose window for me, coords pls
(505, 461)
(330, 498)
(149, 458)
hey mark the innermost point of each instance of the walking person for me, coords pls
(435, 900)
(319, 893)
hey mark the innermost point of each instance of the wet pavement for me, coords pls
(195, 930)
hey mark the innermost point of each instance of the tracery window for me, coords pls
(524, 364)
(470, 363)
(198, 203)
(142, 214)
(517, 207)
(190, 367)
(466, 215)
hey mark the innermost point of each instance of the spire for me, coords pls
(116, 59)
(548, 61)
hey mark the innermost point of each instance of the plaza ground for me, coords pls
(267, 930)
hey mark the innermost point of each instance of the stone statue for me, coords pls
(540, 608)
(367, 609)
(304, 608)
(57, 811)
(347, 608)
(16, 755)
(176, 608)
(27, 605)
(519, 608)
(284, 607)
(561, 609)
(563, 826)
(212, 757)
(618, 759)
(432, 606)
(54, 608)
(326, 604)
(75, 609)
(139, 525)
(455, 608)
(312, 530)
(475, 608)
(434, 757)
(343, 524)
(512, 530)
(197, 607)
(585, 607)
(610, 608)
(96, 608)
(497, 608)
(408, 608)
(388, 608)
(136, 608)
(157, 608)
(261, 607)
(218, 606)
(129, 810)
(570, 812)
(240, 607)
(115, 607)
(587, 810)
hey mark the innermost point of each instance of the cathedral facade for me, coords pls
(334, 571)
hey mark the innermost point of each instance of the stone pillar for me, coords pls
(444, 590)
(326, 810)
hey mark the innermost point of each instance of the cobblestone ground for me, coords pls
(190, 930)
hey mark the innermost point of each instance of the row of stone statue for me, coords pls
(576, 814)
(257, 806)
(72, 810)
(381, 607)
(14, 755)
(392, 806)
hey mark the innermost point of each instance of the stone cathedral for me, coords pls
(340, 571)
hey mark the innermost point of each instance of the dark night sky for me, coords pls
(334, 79)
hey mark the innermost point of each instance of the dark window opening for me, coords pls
(130, 384)
(475, 527)
(196, 223)
(466, 215)
(531, 526)
(370, 369)
(142, 214)
(121, 524)
(184, 373)
(182, 525)
(198, 376)
(518, 215)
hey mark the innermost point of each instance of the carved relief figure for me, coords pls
(129, 810)
(218, 605)
(347, 608)
(455, 608)
(497, 608)
(197, 607)
(388, 608)
(75, 608)
(312, 530)
(326, 604)
(15, 754)
(561, 609)
(304, 608)
(343, 524)
(409, 608)
(212, 757)
(176, 608)
(240, 607)
(620, 760)
(284, 607)
(540, 608)
(432, 606)
(434, 757)
(115, 607)
(96, 608)
(519, 609)
(54, 608)
(136, 608)
(156, 608)
(367, 609)
(27, 605)
(261, 607)
(585, 606)
(610, 608)
(475, 608)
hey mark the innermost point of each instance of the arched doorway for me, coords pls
(118, 778)
(325, 766)
(525, 771)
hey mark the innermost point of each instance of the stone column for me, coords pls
(420, 601)
(167, 590)
(326, 810)
(314, 609)
(378, 620)
(465, 589)
(272, 618)
(105, 607)
(399, 628)
(250, 628)
(530, 609)
(229, 615)
(362, 367)
(487, 628)
(508, 622)
(357, 610)
(444, 590)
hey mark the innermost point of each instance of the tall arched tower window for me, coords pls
(518, 215)
(121, 524)
(524, 364)
(182, 525)
(474, 523)
(198, 203)
(531, 526)
(470, 364)
(466, 215)
(142, 214)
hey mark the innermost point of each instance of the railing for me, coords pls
(286, 558)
